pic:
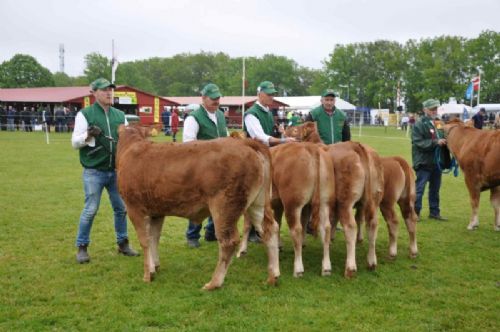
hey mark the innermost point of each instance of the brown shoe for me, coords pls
(82, 256)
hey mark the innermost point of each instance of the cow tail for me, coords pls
(316, 199)
(409, 189)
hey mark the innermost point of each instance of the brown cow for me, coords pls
(478, 154)
(302, 175)
(399, 186)
(358, 184)
(223, 178)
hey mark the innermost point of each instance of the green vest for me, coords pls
(102, 155)
(424, 139)
(329, 127)
(208, 129)
(265, 118)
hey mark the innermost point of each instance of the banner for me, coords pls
(476, 81)
(125, 97)
(156, 111)
(86, 101)
(468, 92)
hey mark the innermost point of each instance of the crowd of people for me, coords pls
(41, 118)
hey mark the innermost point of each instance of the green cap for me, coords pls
(431, 103)
(101, 83)
(267, 87)
(328, 92)
(211, 91)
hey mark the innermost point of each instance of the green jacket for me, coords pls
(102, 155)
(208, 129)
(424, 140)
(329, 126)
(265, 118)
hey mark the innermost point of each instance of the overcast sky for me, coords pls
(304, 30)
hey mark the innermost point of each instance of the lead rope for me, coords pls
(453, 164)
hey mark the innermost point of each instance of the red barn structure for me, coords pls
(128, 99)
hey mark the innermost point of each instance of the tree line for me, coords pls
(366, 74)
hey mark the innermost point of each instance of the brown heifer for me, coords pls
(223, 178)
(478, 154)
(302, 175)
(399, 187)
(359, 184)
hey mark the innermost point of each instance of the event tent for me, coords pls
(306, 103)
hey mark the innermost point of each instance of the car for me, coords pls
(132, 118)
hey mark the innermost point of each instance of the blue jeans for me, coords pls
(94, 182)
(11, 126)
(434, 179)
(193, 230)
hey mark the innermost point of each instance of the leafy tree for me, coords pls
(24, 71)
(96, 66)
(62, 79)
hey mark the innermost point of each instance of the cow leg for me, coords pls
(294, 224)
(387, 209)
(495, 202)
(278, 215)
(410, 217)
(142, 228)
(156, 226)
(247, 225)
(360, 218)
(474, 194)
(348, 222)
(371, 228)
(228, 237)
(324, 231)
(262, 218)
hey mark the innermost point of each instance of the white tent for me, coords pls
(306, 103)
(454, 109)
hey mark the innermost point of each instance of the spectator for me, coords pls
(11, 118)
(205, 123)
(478, 118)
(3, 118)
(165, 119)
(175, 124)
(60, 117)
(96, 136)
(47, 118)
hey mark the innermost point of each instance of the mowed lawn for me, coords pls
(454, 284)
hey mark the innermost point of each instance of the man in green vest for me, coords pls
(259, 123)
(425, 139)
(96, 136)
(332, 123)
(205, 123)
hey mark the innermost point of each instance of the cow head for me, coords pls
(453, 123)
(238, 134)
(307, 132)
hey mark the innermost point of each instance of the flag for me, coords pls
(468, 92)
(475, 82)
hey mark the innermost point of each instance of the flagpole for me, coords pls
(243, 95)
(478, 88)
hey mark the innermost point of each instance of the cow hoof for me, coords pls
(349, 274)
(298, 274)
(326, 273)
(472, 227)
(372, 267)
(210, 287)
(413, 255)
(148, 277)
(392, 257)
(497, 228)
(157, 268)
(272, 281)
(241, 253)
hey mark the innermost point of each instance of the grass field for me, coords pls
(453, 285)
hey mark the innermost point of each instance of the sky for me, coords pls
(303, 30)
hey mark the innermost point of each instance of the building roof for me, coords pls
(56, 94)
(44, 95)
(224, 101)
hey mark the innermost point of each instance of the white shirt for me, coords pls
(191, 127)
(80, 132)
(254, 127)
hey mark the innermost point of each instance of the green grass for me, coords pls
(453, 285)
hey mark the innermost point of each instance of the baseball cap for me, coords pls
(101, 83)
(211, 90)
(328, 92)
(267, 87)
(431, 103)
